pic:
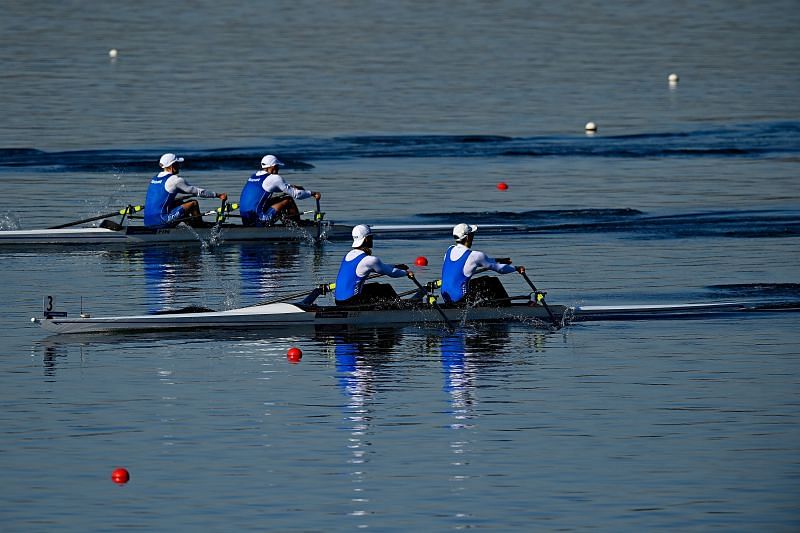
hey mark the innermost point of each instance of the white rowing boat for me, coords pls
(282, 315)
(288, 315)
(225, 233)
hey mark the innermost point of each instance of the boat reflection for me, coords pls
(52, 355)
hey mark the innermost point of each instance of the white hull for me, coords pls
(281, 315)
(661, 311)
(285, 315)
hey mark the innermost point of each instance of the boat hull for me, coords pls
(135, 235)
(283, 315)
(230, 233)
(291, 316)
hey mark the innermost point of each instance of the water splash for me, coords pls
(9, 221)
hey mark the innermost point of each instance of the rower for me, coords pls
(266, 196)
(461, 263)
(163, 208)
(357, 265)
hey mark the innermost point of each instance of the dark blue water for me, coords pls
(410, 113)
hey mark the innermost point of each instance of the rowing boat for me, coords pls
(292, 315)
(281, 315)
(229, 233)
(140, 235)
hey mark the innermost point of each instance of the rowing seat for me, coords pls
(374, 296)
(486, 289)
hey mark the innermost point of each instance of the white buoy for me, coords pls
(673, 78)
(112, 53)
(590, 127)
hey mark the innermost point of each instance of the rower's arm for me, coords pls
(276, 181)
(176, 183)
(373, 264)
(481, 260)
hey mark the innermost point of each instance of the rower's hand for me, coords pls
(410, 274)
(503, 260)
(316, 195)
(223, 196)
(401, 266)
(521, 269)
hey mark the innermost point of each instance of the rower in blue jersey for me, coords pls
(461, 263)
(163, 207)
(266, 196)
(357, 265)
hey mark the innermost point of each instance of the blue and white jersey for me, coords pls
(460, 264)
(454, 280)
(161, 206)
(355, 268)
(159, 202)
(260, 187)
(253, 202)
(348, 282)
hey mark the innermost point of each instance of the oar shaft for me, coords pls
(318, 220)
(535, 290)
(123, 211)
(434, 304)
(330, 287)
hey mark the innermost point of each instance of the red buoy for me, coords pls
(421, 261)
(120, 476)
(502, 186)
(294, 355)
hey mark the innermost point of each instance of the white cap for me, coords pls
(461, 231)
(360, 233)
(270, 161)
(167, 160)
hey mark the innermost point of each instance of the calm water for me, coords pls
(410, 113)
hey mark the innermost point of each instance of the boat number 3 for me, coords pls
(48, 306)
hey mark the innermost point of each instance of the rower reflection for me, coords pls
(459, 378)
(360, 357)
(265, 269)
(171, 274)
(466, 354)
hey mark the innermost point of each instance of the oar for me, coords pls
(125, 211)
(318, 220)
(433, 302)
(224, 211)
(221, 214)
(216, 212)
(325, 288)
(537, 293)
